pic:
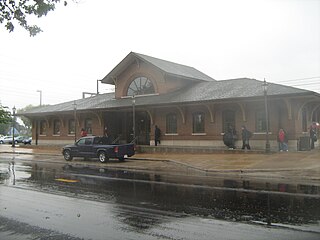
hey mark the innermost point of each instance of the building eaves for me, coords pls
(81, 104)
(222, 90)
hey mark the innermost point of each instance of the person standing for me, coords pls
(283, 140)
(83, 132)
(246, 135)
(106, 138)
(313, 135)
(157, 134)
(230, 137)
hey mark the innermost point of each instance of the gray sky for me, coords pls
(81, 43)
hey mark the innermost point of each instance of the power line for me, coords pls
(298, 79)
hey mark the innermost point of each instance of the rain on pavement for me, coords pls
(43, 199)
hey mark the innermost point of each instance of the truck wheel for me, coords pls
(121, 159)
(103, 157)
(67, 155)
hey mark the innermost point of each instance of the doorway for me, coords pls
(142, 128)
(228, 119)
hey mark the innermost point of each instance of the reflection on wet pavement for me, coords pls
(227, 199)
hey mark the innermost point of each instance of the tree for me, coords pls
(5, 115)
(26, 121)
(17, 11)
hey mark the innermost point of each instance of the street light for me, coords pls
(75, 120)
(98, 86)
(40, 91)
(13, 125)
(134, 118)
(265, 89)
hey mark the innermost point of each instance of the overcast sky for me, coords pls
(82, 42)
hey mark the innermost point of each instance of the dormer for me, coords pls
(139, 74)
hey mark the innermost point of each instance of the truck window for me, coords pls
(88, 141)
(97, 140)
(81, 141)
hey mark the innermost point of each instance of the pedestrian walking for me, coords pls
(283, 140)
(313, 135)
(157, 134)
(246, 135)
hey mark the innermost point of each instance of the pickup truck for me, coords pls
(98, 147)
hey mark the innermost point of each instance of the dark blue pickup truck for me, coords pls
(98, 147)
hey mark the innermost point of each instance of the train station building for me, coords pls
(190, 108)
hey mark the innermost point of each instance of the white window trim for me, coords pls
(199, 134)
(171, 134)
(143, 95)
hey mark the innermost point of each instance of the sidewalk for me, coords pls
(305, 165)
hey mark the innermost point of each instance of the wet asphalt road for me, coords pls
(51, 200)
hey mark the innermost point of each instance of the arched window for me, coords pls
(88, 125)
(56, 127)
(71, 126)
(198, 122)
(171, 123)
(140, 86)
(261, 123)
(43, 127)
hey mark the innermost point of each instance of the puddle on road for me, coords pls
(228, 199)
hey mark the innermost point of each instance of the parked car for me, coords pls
(19, 139)
(98, 147)
(27, 140)
(6, 139)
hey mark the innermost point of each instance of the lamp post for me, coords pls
(134, 118)
(13, 125)
(98, 86)
(75, 120)
(265, 89)
(40, 91)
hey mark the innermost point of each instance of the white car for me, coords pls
(6, 139)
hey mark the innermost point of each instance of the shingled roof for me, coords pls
(234, 89)
(169, 68)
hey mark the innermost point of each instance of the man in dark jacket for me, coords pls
(157, 134)
(246, 135)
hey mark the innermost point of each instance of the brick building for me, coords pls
(190, 108)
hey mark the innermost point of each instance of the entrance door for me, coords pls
(228, 119)
(142, 128)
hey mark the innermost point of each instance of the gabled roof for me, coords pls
(233, 89)
(169, 68)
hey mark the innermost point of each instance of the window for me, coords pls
(228, 119)
(88, 125)
(140, 86)
(71, 127)
(85, 141)
(43, 127)
(56, 127)
(198, 122)
(261, 124)
(81, 141)
(171, 123)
